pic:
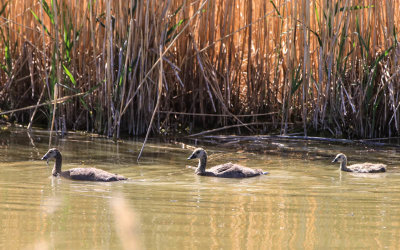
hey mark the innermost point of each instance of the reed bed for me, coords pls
(314, 66)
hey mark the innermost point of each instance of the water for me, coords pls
(305, 202)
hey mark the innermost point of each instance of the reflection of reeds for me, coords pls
(321, 65)
(50, 205)
(40, 245)
(125, 223)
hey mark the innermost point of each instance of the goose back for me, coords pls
(231, 170)
(367, 168)
(91, 174)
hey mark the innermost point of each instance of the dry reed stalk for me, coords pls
(159, 90)
(330, 65)
(216, 115)
(109, 67)
(306, 62)
(118, 124)
(57, 101)
(35, 109)
(229, 127)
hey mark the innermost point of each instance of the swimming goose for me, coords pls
(87, 174)
(226, 170)
(359, 168)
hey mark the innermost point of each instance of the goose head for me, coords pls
(340, 158)
(52, 153)
(198, 153)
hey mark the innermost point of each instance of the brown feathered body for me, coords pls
(226, 170)
(90, 174)
(366, 168)
(231, 170)
(360, 167)
(84, 174)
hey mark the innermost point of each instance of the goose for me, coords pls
(226, 170)
(360, 167)
(87, 174)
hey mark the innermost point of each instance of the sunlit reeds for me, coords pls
(318, 66)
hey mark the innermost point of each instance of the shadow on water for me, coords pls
(305, 201)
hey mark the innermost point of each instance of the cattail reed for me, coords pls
(310, 66)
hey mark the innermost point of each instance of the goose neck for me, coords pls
(343, 165)
(202, 164)
(57, 165)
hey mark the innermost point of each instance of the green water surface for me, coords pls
(305, 201)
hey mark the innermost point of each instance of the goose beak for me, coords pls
(334, 160)
(191, 157)
(45, 157)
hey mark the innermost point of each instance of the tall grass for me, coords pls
(318, 66)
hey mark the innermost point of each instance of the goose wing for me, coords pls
(230, 170)
(367, 168)
(79, 174)
(223, 168)
(91, 174)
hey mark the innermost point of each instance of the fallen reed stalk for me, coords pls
(215, 115)
(59, 100)
(229, 127)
